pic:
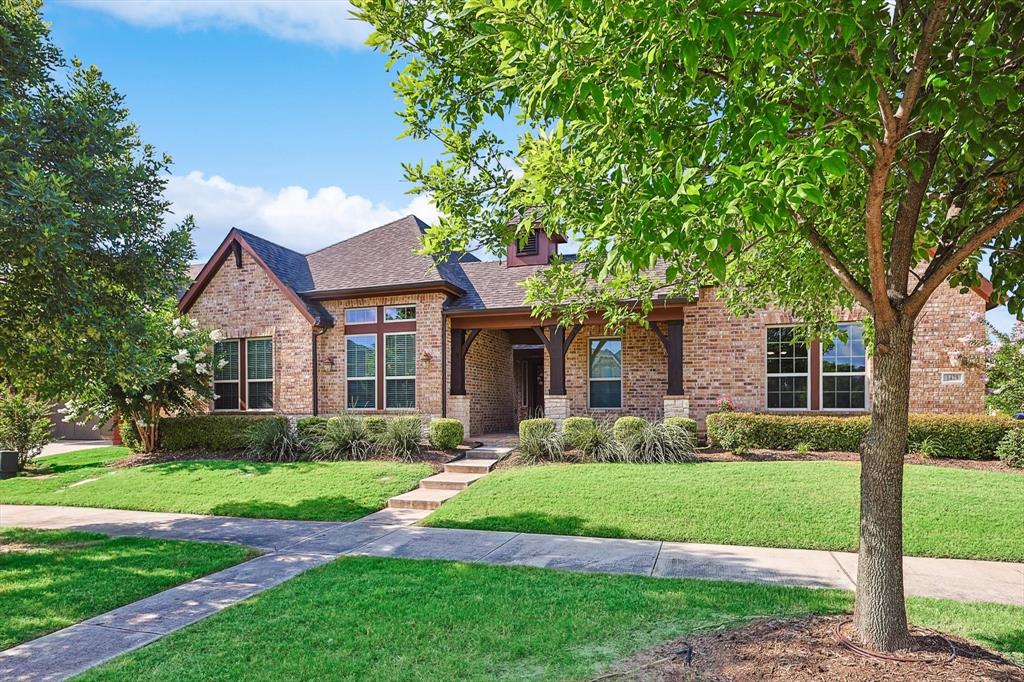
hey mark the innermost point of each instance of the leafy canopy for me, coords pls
(800, 154)
(83, 244)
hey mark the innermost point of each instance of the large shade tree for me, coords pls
(83, 242)
(807, 155)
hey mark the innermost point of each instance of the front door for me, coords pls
(529, 380)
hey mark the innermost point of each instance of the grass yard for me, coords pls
(327, 491)
(52, 579)
(814, 505)
(395, 619)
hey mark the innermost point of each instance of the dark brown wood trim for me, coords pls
(521, 318)
(672, 340)
(557, 344)
(243, 375)
(384, 290)
(378, 330)
(815, 369)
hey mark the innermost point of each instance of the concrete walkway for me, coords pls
(296, 546)
(59, 447)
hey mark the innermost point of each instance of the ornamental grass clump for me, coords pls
(657, 443)
(272, 440)
(401, 437)
(539, 441)
(344, 437)
(573, 429)
(597, 443)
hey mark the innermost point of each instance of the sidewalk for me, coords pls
(296, 546)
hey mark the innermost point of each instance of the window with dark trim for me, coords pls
(360, 315)
(259, 370)
(604, 371)
(400, 371)
(530, 246)
(361, 371)
(399, 313)
(844, 371)
(788, 370)
(225, 378)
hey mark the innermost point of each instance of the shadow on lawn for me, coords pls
(535, 522)
(325, 508)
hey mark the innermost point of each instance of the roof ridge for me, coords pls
(246, 233)
(372, 229)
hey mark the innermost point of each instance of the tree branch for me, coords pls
(920, 68)
(840, 270)
(908, 214)
(945, 263)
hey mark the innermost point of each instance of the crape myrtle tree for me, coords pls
(807, 155)
(83, 242)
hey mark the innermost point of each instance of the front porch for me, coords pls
(508, 367)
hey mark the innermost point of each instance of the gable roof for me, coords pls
(382, 258)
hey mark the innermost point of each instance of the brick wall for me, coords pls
(489, 383)
(244, 303)
(331, 351)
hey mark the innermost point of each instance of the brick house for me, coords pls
(369, 326)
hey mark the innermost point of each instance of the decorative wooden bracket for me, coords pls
(557, 343)
(672, 340)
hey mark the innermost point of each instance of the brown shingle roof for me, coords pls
(381, 257)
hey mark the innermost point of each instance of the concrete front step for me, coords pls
(450, 481)
(421, 498)
(470, 466)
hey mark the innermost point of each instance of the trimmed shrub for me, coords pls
(538, 440)
(689, 425)
(213, 432)
(573, 428)
(446, 433)
(401, 437)
(310, 429)
(627, 428)
(375, 425)
(954, 436)
(272, 440)
(25, 425)
(1011, 448)
(656, 443)
(344, 437)
(130, 437)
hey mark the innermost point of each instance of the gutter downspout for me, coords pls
(444, 364)
(316, 371)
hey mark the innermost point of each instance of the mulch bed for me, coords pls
(710, 454)
(803, 649)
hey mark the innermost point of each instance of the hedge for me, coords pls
(572, 427)
(446, 433)
(213, 432)
(952, 436)
(540, 425)
(690, 425)
(310, 429)
(375, 425)
(628, 428)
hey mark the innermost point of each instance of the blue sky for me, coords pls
(279, 120)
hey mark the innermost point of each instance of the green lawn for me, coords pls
(336, 491)
(948, 512)
(56, 578)
(395, 619)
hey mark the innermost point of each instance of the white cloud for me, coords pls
(324, 22)
(293, 217)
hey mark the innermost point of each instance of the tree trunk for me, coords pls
(880, 616)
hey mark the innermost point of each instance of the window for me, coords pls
(259, 371)
(225, 379)
(952, 378)
(400, 371)
(399, 313)
(843, 371)
(529, 247)
(361, 371)
(360, 315)
(787, 369)
(605, 372)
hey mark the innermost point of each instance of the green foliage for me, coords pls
(627, 428)
(1005, 370)
(344, 437)
(375, 425)
(84, 248)
(402, 436)
(689, 425)
(654, 443)
(596, 440)
(955, 436)
(310, 430)
(446, 433)
(1011, 448)
(129, 435)
(574, 428)
(209, 432)
(25, 425)
(538, 441)
(272, 440)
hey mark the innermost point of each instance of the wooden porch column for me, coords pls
(461, 341)
(557, 344)
(672, 340)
